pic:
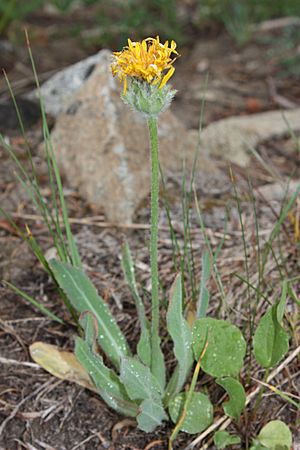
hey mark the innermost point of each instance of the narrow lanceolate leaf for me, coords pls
(237, 397)
(144, 346)
(180, 334)
(83, 296)
(106, 381)
(138, 380)
(151, 415)
(158, 362)
(140, 385)
(270, 342)
(203, 299)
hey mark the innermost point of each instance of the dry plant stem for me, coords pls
(224, 422)
(152, 124)
(188, 398)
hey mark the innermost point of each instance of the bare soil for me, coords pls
(40, 412)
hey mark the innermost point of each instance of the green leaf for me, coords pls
(234, 407)
(151, 415)
(144, 345)
(270, 342)
(180, 333)
(275, 436)
(203, 299)
(83, 296)
(106, 381)
(140, 384)
(158, 362)
(225, 350)
(257, 446)
(138, 380)
(199, 415)
(222, 439)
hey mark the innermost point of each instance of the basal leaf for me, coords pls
(199, 415)
(151, 415)
(237, 397)
(61, 364)
(144, 346)
(83, 296)
(226, 347)
(138, 380)
(223, 439)
(106, 381)
(158, 362)
(180, 334)
(275, 435)
(270, 342)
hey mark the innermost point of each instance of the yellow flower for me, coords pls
(147, 60)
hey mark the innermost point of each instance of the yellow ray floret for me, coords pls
(149, 60)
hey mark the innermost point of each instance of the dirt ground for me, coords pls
(38, 411)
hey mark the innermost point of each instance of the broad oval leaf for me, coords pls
(181, 335)
(270, 342)
(84, 297)
(237, 397)
(275, 435)
(223, 439)
(199, 414)
(225, 350)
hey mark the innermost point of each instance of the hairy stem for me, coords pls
(157, 365)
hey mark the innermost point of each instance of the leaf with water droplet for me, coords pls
(83, 296)
(225, 350)
(106, 380)
(198, 416)
(138, 380)
(151, 415)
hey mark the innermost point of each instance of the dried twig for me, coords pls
(14, 362)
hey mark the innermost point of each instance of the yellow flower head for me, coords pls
(147, 60)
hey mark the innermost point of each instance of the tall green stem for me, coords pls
(157, 362)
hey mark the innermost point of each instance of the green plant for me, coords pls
(135, 385)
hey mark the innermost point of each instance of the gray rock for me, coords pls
(230, 139)
(58, 91)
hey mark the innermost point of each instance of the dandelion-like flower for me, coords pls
(144, 68)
